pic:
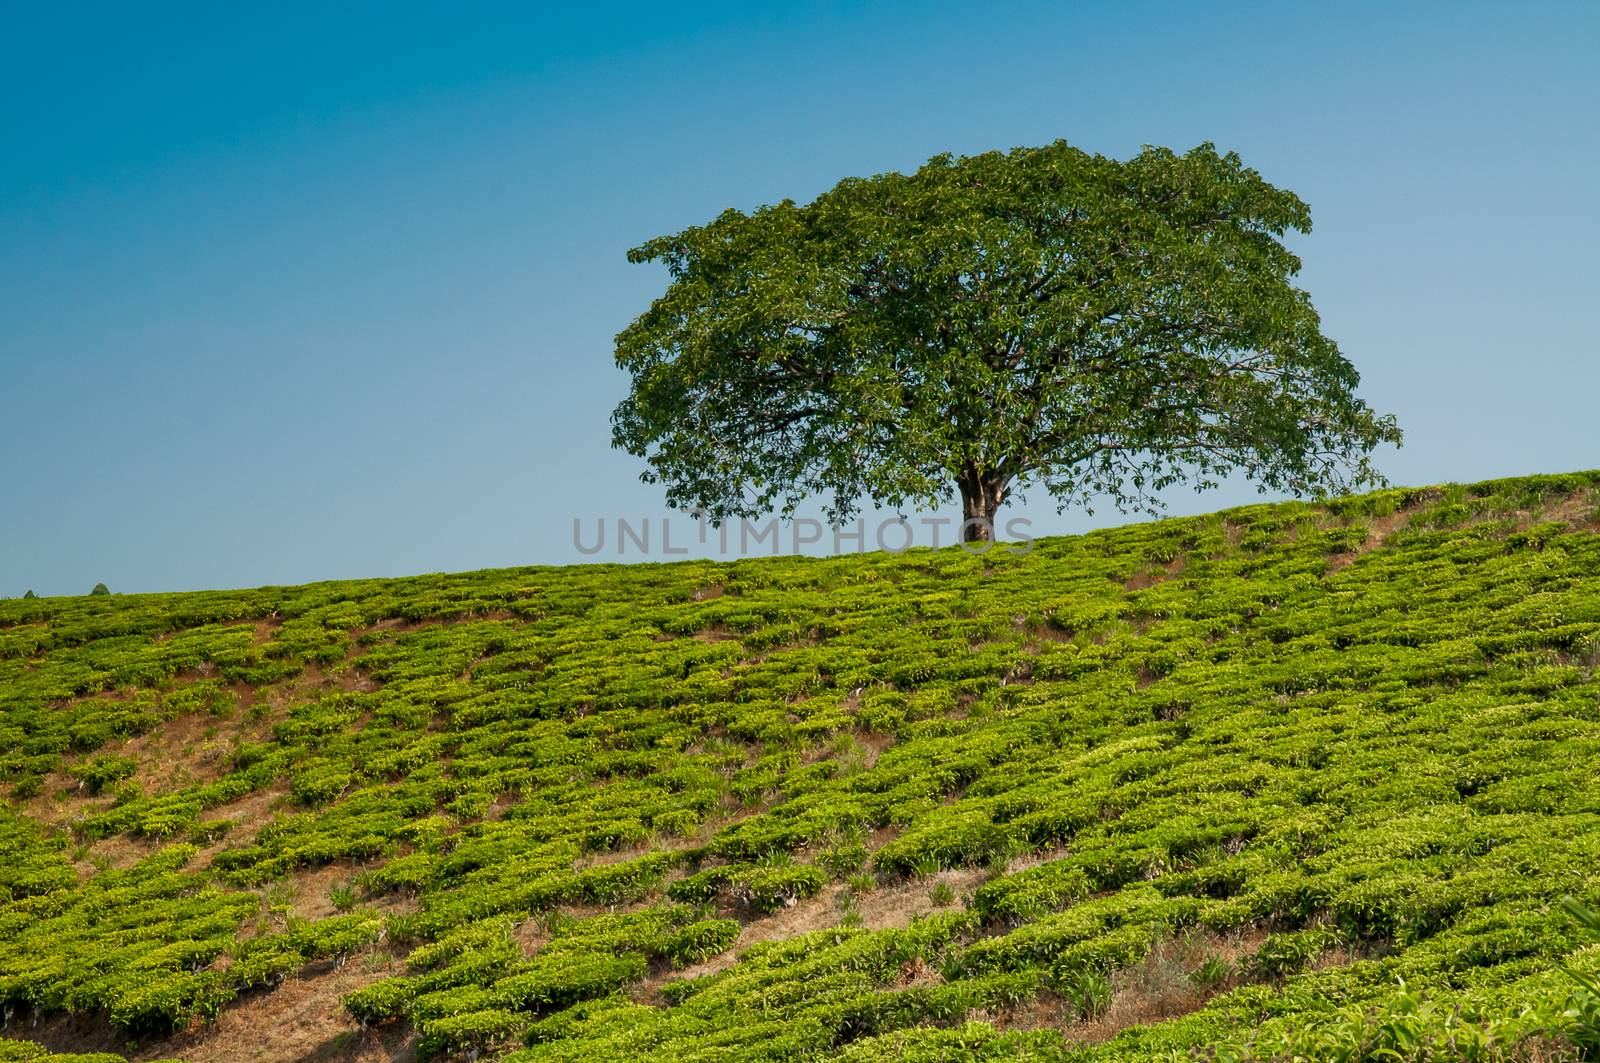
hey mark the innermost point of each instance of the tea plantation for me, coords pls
(1289, 781)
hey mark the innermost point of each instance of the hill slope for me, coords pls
(1222, 781)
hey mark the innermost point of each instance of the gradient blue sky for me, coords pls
(290, 295)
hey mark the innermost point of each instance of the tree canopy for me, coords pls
(1043, 317)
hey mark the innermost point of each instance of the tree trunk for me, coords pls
(981, 498)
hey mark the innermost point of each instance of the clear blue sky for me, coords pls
(290, 295)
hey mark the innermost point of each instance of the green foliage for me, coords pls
(97, 772)
(381, 1001)
(29, 1052)
(1284, 954)
(1214, 972)
(1039, 317)
(1342, 770)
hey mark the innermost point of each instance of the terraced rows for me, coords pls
(1280, 782)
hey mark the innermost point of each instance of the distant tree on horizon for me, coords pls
(100, 588)
(30, 594)
(1042, 317)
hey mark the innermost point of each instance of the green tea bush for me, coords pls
(1358, 735)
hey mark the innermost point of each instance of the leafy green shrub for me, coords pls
(700, 941)
(1089, 992)
(381, 1001)
(1398, 746)
(103, 770)
(767, 889)
(469, 1031)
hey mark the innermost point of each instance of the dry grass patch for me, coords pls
(1378, 532)
(1149, 577)
(301, 1020)
(1164, 986)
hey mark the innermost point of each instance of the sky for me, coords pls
(290, 294)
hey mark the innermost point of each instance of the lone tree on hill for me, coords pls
(1042, 316)
(100, 588)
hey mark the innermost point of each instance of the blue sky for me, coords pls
(290, 295)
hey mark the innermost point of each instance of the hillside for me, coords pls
(1288, 780)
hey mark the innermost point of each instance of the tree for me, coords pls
(1040, 317)
(100, 588)
(30, 594)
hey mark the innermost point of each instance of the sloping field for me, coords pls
(1288, 780)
